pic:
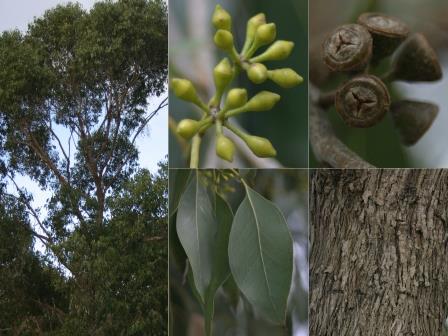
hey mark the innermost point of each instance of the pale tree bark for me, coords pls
(378, 261)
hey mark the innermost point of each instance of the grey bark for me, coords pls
(378, 261)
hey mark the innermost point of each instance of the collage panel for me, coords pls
(378, 90)
(378, 250)
(238, 84)
(238, 252)
(83, 168)
(303, 194)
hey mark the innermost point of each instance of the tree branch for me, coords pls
(325, 144)
(162, 104)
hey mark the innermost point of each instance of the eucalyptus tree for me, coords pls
(75, 95)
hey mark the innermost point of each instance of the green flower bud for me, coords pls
(261, 147)
(286, 78)
(265, 34)
(221, 18)
(224, 40)
(276, 52)
(257, 73)
(187, 128)
(252, 26)
(225, 148)
(236, 98)
(262, 101)
(185, 90)
(223, 74)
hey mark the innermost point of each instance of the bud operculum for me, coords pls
(221, 19)
(235, 99)
(286, 78)
(185, 90)
(257, 73)
(252, 26)
(225, 148)
(261, 147)
(187, 128)
(222, 75)
(264, 35)
(262, 101)
(224, 40)
(278, 51)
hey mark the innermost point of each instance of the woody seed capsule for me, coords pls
(348, 48)
(362, 101)
(388, 33)
(416, 61)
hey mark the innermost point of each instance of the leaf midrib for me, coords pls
(197, 232)
(261, 252)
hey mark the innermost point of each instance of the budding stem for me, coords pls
(195, 149)
(235, 130)
(251, 51)
(236, 111)
(219, 127)
(326, 99)
(235, 56)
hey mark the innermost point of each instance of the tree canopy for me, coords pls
(75, 94)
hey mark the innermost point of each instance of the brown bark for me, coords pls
(378, 261)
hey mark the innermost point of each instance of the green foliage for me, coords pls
(74, 97)
(260, 254)
(125, 286)
(251, 252)
(30, 293)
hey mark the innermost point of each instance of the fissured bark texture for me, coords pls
(378, 262)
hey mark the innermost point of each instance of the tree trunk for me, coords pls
(378, 262)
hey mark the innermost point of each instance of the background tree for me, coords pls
(30, 298)
(74, 95)
(378, 252)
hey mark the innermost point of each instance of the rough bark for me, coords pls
(378, 262)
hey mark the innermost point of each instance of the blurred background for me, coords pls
(380, 145)
(288, 189)
(193, 55)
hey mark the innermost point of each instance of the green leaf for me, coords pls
(220, 266)
(196, 229)
(177, 183)
(260, 255)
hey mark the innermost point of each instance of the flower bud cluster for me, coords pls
(228, 102)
